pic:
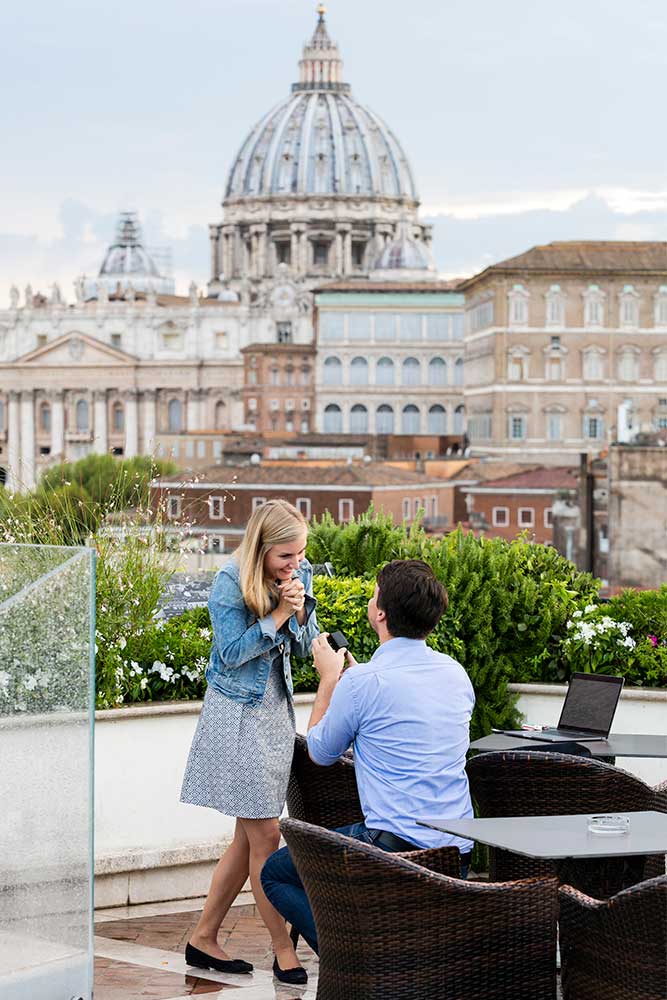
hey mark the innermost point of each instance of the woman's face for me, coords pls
(281, 560)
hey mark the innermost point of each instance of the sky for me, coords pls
(524, 122)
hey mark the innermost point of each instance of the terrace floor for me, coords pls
(139, 956)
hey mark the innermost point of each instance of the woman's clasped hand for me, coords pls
(292, 595)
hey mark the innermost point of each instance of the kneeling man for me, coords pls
(408, 712)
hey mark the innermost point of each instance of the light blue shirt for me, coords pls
(408, 713)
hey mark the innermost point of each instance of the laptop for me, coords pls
(588, 711)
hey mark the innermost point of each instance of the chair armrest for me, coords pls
(442, 860)
(661, 796)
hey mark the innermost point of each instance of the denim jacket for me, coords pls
(244, 647)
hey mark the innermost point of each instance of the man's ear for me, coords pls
(381, 615)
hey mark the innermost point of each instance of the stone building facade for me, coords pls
(390, 357)
(321, 189)
(560, 337)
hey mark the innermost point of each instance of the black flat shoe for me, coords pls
(200, 960)
(294, 977)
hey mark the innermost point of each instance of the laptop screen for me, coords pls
(591, 702)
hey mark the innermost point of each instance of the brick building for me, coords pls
(279, 389)
(215, 506)
(504, 507)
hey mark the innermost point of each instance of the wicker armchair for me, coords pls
(530, 783)
(328, 797)
(389, 928)
(616, 949)
(324, 796)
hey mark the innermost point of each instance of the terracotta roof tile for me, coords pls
(364, 285)
(296, 474)
(544, 478)
(585, 256)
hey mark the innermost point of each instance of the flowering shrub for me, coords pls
(596, 642)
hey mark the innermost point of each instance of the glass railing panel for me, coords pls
(46, 721)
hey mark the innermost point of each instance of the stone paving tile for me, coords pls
(242, 935)
(122, 981)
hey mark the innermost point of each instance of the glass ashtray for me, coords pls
(609, 826)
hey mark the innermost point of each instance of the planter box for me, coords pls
(151, 847)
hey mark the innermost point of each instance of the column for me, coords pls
(194, 410)
(304, 260)
(57, 401)
(347, 252)
(339, 252)
(214, 236)
(131, 424)
(294, 251)
(262, 262)
(150, 420)
(100, 431)
(27, 469)
(13, 443)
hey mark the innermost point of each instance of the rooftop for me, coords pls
(544, 478)
(584, 257)
(387, 287)
(300, 474)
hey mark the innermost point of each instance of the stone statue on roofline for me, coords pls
(79, 289)
(14, 296)
(151, 295)
(194, 294)
(102, 292)
(28, 296)
(56, 295)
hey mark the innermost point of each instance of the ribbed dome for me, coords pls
(321, 141)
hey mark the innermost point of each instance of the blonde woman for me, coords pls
(262, 609)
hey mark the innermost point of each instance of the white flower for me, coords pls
(144, 683)
(570, 624)
(205, 633)
(577, 614)
(589, 608)
(628, 642)
(122, 642)
(30, 683)
(4, 681)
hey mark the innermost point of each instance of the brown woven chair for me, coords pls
(328, 797)
(324, 796)
(389, 929)
(531, 783)
(615, 949)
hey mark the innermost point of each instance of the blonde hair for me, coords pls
(276, 522)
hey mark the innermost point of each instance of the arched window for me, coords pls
(411, 420)
(458, 372)
(45, 418)
(220, 415)
(359, 371)
(459, 419)
(517, 366)
(118, 418)
(628, 365)
(333, 371)
(555, 306)
(333, 419)
(629, 308)
(660, 370)
(437, 371)
(411, 372)
(175, 416)
(594, 306)
(593, 364)
(358, 419)
(384, 372)
(437, 420)
(384, 419)
(82, 415)
(518, 305)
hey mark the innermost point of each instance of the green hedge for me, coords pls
(517, 612)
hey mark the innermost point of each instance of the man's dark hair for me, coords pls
(412, 598)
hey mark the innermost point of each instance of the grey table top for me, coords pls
(617, 745)
(560, 836)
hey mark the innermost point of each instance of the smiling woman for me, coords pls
(262, 609)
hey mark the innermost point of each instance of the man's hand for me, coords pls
(328, 663)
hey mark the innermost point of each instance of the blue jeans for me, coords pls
(284, 889)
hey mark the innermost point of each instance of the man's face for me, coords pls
(373, 609)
